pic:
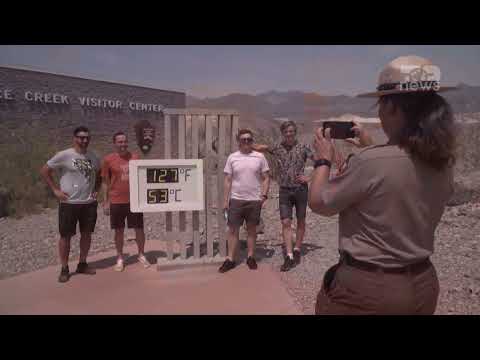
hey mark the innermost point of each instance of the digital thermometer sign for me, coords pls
(166, 185)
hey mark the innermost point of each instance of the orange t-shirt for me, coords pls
(116, 167)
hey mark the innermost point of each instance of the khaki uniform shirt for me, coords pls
(389, 206)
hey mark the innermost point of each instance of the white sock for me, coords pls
(297, 249)
(290, 255)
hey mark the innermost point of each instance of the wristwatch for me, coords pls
(321, 162)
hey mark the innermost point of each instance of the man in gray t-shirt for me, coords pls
(77, 175)
(79, 171)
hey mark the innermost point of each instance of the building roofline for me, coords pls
(30, 69)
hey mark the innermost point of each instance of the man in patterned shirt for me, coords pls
(291, 157)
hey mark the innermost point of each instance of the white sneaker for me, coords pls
(143, 260)
(119, 266)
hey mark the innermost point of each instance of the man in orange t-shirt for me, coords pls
(115, 177)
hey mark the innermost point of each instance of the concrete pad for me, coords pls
(197, 290)
(177, 263)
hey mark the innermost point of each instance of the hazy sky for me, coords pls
(213, 70)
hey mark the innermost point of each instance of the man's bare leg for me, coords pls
(300, 233)
(232, 234)
(251, 239)
(85, 242)
(64, 250)
(232, 237)
(63, 253)
(119, 239)
(287, 235)
(287, 238)
(140, 239)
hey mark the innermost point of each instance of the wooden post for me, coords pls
(233, 139)
(209, 160)
(221, 165)
(182, 219)
(168, 215)
(195, 214)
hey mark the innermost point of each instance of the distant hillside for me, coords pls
(306, 107)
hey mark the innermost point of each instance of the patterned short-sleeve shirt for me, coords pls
(291, 161)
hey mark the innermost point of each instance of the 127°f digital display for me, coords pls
(162, 175)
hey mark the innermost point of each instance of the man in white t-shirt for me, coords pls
(246, 187)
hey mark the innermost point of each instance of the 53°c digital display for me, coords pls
(157, 196)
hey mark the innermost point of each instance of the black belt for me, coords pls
(416, 268)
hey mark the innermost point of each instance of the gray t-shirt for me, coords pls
(77, 174)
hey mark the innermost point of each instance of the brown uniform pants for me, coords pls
(348, 290)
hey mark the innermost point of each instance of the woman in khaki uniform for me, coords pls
(389, 198)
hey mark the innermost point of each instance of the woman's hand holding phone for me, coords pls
(361, 139)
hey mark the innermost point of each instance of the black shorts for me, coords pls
(290, 197)
(244, 210)
(70, 214)
(118, 213)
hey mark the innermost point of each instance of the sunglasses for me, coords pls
(83, 137)
(247, 140)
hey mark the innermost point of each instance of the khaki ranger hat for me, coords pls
(407, 74)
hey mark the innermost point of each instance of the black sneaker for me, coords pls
(288, 264)
(64, 275)
(296, 256)
(226, 266)
(83, 268)
(252, 264)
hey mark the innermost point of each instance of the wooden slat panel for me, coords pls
(233, 142)
(228, 131)
(168, 215)
(195, 214)
(208, 193)
(221, 165)
(182, 216)
(199, 111)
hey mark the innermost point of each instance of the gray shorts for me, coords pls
(290, 197)
(244, 210)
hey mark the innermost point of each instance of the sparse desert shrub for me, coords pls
(24, 191)
(468, 154)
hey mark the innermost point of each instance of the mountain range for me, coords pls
(261, 110)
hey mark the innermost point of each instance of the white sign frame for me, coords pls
(137, 187)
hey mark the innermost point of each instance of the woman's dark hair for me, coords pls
(429, 133)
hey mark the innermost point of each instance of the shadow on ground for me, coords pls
(129, 259)
(262, 251)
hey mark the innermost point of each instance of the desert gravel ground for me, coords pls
(29, 244)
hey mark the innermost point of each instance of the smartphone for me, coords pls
(339, 129)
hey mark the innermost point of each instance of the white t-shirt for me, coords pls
(246, 170)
